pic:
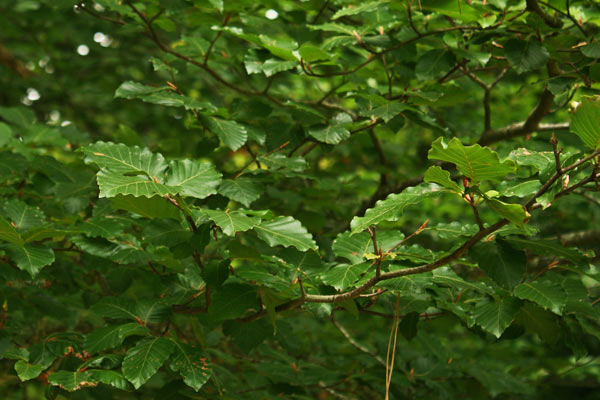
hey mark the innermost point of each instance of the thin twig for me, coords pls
(354, 343)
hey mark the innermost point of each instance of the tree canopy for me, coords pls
(300, 199)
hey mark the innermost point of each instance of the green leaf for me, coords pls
(523, 189)
(386, 111)
(20, 116)
(142, 361)
(393, 206)
(233, 300)
(475, 162)
(71, 380)
(109, 337)
(505, 265)
(585, 123)
(191, 364)
(515, 213)
(273, 66)
(354, 10)
(9, 233)
(112, 184)
(434, 64)
(352, 247)
(5, 134)
(440, 176)
(408, 325)
(111, 378)
(22, 215)
(285, 231)
(106, 227)
(197, 179)
(231, 221)
(311, 53)
(495, 316)
(152, 311)
(525, 55)
(231, 133)
(243, 190)
(343, 276)
(164, 96)
(592, 50)
(122, 159)
(116, 308)
(27, 371)
(333, 133)
(31, 258)
(150, 207)
(544, 293)
(450, 278)
(548, 247)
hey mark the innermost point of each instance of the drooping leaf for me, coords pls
(354, 10)
(342, 276)
(585, 123)
(495, 316)
(143, 360)
(503, 264)
(285, 231)
(386, 111)
(475, 162)
(393, 206)
(242, 190)
(192, 364)
(196, 178)
(544, 293)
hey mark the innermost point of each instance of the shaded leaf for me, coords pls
(495, 316)
(31, 258)
(231, 221)
(352, 247)
(150, 207)
(525, 55)
(504, 264)
(26, 371)
(143, 360)
(71, 380)
(233, 300)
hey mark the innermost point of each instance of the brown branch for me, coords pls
(551, 21)
(12, 62)
(81, 6)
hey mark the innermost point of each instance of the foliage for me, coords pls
(249, 200)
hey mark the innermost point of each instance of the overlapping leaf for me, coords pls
(585, 123)
(393, 206)
(285, 231)
(196, 178)
(475, 162)
(495, 316)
